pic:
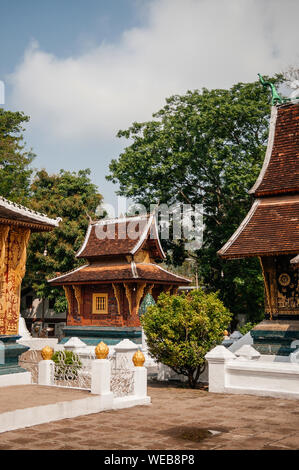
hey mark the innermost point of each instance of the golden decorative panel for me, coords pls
(13, 251)
(140, 292)
(129, 295)
(78, 295)
(68, 294)
(117, 293)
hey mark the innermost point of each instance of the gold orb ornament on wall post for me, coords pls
(102, 350)
(138, 359)
(47, 353)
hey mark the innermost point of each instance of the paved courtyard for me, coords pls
(179, 418)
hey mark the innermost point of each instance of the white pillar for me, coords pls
(46, 372)
(144, 343)
(140, 382)
(217, 358)
(100, 377)
(124, 352)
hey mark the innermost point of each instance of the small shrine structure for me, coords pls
(104, 294)
(16, 224)
(270, 231)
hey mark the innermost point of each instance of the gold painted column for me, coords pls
(78, 295)
(68, 295)
(15, 257)
(134, 293)
(4, 230)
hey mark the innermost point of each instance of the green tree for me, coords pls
(206, 147)
(181, 329)
(15, 170)
(71, 196)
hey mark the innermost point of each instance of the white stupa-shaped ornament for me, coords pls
(295, 87)
(23, 331)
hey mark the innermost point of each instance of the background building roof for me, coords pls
(271, 227)
(280, 171)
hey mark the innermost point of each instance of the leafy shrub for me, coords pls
(67, 365)
(181, 329)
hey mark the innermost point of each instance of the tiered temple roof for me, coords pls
(124, 236)
(272, 225)
(280, 171)
(128, 255)
(95, 272)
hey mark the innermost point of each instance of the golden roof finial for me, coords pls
(102, 350)
(47, 353)
(138, 359)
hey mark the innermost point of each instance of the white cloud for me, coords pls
(185, 44)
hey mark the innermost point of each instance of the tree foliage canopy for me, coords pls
(15, 170)
(181, 329)
(207, 147)
(68, 195)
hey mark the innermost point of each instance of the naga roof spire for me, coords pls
(276, 98)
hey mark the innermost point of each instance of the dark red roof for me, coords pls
(271, 227)
(121, 237)
(280, 172)
(97, 272)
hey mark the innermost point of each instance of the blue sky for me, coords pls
(63, 27)
(84, 69)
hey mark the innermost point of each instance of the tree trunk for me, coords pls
(193, 379)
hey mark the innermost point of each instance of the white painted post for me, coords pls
(123, 354)
(100, 377)
(140, 382)
(46, 372)
(217, 358)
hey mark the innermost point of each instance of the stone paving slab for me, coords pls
(177, 419)
(27, 396)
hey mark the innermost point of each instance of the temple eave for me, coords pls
(34, 227)
(256, 254)
(131, 281)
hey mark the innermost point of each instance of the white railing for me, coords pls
(115, 378)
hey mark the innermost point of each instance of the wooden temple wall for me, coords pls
(120, 311)
(86, 317)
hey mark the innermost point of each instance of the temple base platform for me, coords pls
(276, 337)
(10, 371)
(92, 335)
(10, 351)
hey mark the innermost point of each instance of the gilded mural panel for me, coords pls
(14, 270)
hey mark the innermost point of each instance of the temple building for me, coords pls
(270, 231)
(104, 295)
(16, 224)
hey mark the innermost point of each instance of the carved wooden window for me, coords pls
(100, 303)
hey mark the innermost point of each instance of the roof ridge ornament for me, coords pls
(276, 98)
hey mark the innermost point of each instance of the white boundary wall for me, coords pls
(246, 372)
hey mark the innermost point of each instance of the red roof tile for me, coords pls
(121, 237)
(96, 272)
(280, 172)
(271, 227)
